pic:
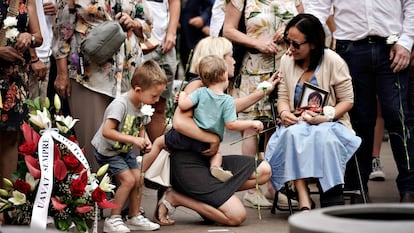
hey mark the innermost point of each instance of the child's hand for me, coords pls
(142, 143)
(177, 97)
(258, 125)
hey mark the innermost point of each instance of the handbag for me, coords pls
(149, 45)
(159, 171)
(103, 41)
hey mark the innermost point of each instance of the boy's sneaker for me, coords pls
(377, 174)
(141, 223)
(115, 224)
(219, 173)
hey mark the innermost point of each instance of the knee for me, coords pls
(264, 171)
(238, 219)
(130, 182)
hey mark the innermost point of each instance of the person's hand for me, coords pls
(23, 41)
(168, 43)
(313, 118)
(400, 58)
(278, 36)
(212, 150)
(275, 79)
(39, 70)
(49, 8)
(62, 85)
(127, 22)
(267, 47)
(196, 22)
(10, 54)
(288, 118)
(142, 143)
(258, 125)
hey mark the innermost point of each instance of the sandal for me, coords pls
(166, 221)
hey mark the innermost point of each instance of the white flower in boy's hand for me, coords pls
(147, 110)
(265, 85)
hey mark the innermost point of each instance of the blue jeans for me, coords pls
(372, 76)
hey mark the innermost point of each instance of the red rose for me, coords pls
(72, 163)
(77, 187)
(22, 186)
(98, 195)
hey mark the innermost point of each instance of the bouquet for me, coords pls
(53, 178)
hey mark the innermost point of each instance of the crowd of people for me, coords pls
(358, 56)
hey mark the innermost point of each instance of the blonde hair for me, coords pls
(211, 45)
(147, 75)
(211, 69)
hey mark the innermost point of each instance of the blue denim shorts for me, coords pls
(117, 163)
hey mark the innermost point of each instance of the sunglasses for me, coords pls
(295, 44)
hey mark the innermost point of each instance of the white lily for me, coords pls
(106, 185)
(147, 110)
(18, 198)
(41, 118)
(10, 22)
(68, 123)
(32, 181)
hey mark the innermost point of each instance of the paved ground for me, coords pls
(189, 221)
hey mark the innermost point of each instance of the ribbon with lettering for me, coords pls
(46, 160)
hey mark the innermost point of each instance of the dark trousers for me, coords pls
(372, 76)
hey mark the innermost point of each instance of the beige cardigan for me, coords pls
(333, 75)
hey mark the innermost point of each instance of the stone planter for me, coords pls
(369, 218)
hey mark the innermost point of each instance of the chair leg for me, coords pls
(275, 199)
(361, 185)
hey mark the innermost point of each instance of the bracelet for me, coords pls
(34, 61)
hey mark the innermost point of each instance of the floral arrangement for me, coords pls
(76, 194)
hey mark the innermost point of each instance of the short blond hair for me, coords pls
(147, 75)
(211, 45)
(211, 69)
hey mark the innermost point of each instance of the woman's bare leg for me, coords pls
(303, 194)
(263, 176)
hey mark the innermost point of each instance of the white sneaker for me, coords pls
(114, 224)
(253, 200)
(141, 223)
(377, 174)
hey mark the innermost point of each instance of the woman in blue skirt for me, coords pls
(312, 143)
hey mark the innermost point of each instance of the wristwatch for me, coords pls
(33, 41)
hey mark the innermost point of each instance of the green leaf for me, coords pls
(62, 224)
(80, 225)
(37, 103)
